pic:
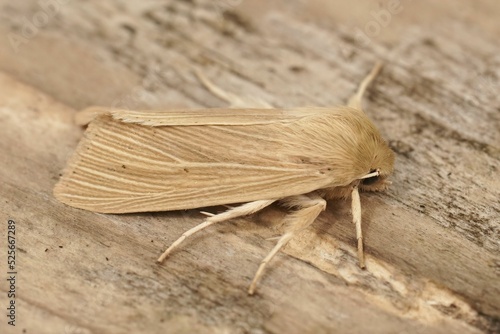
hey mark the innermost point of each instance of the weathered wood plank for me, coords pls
(432, 240)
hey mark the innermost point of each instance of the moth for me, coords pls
(251, 153)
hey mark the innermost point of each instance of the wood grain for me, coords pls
(432, 240)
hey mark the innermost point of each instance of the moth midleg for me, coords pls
(234, 100)
(309, 208)
(242, 210)
(355, 100)
(356, 219)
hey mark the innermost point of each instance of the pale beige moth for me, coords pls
(163, 160)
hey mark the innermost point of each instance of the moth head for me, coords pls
(381, 167)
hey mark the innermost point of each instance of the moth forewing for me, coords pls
(134, 161)
(122, 167)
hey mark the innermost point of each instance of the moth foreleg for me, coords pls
(355, 100)
(309, 207)
(356, 219)
(242, 210)
(234, 100)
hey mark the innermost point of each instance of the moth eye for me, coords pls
(370, 180)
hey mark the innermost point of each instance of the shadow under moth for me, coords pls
(163, 160)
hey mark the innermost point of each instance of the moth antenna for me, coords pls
(212, 88)
(241, 210)
(356, 219)
(87, 115)
(234, 100)
(355, 100)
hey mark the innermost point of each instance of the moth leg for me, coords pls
(355, 100)
(242, 210)
(234, 100)
(309, 208)
(356, 219)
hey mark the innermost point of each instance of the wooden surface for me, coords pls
(432, 240)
